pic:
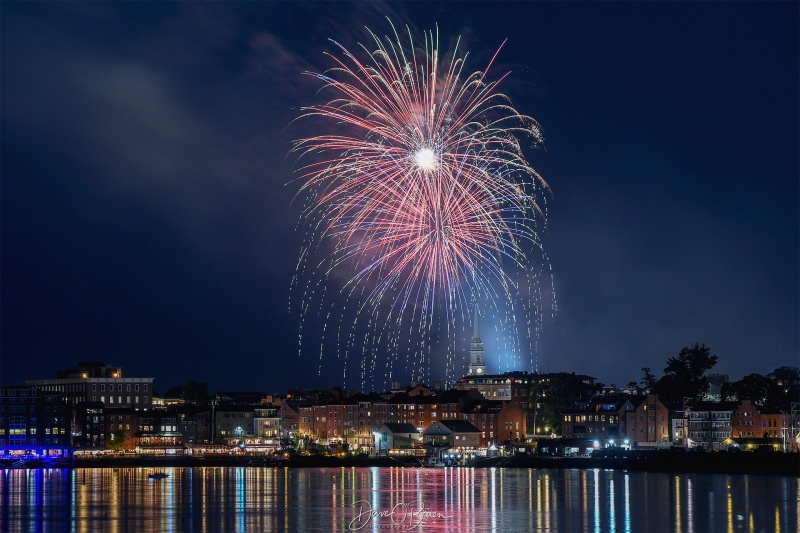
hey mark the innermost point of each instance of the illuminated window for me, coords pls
(17, 429)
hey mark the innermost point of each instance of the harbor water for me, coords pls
(253, 499)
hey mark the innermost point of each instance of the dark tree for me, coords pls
(175, 391)
(762, 391)
(116, 441)
(196, 393)
(560, 394)
(634, 386)
(684, 376)
(648, 379)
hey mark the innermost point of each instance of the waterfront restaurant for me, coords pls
(159, 443)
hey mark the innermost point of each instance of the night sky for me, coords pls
(147, 214)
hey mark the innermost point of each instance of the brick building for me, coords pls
(748, 421)
(635, 421)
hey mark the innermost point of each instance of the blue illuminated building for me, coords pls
(34, 426)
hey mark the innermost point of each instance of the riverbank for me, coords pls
(783, 464)
(786, 464)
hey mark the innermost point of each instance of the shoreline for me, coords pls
(780, 464)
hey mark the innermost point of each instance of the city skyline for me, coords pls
(147, 220)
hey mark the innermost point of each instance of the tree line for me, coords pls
(684, 383)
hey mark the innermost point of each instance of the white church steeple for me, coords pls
(476, 365)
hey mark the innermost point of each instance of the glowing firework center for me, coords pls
(425, 158)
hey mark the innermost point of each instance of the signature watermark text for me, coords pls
(402, 515)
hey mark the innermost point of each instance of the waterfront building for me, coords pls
(647, 424)
(289, 414)
(232, 421)
(314, 422)
(266, 424)
(452, 434)
(33, 424)
(98, 382)
(599, 421)
(394, 436)
(630, 422)
(158, 433)
(708, 424)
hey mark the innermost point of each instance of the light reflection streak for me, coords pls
(729, 499)
(711, 514)
(612, 520)
(530, 500)
(547, 492)
(539, 515)
(627, 503)
(286, 499)
(596, 500)
(493, 501)
(678, 504)
(689, 509)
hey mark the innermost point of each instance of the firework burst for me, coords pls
(418, 202)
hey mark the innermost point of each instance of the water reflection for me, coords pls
(350, 499)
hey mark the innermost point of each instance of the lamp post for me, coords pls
(536, 413)
(686, 400)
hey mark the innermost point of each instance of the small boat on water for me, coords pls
(158, 475)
